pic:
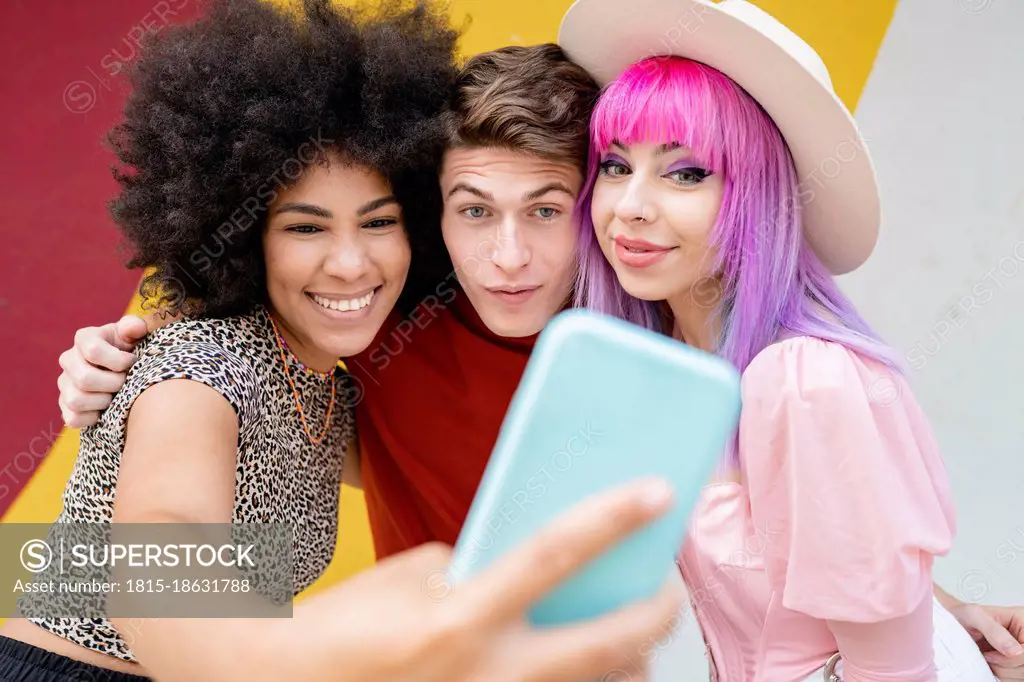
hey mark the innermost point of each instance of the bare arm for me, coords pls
(945, 598)
(178, 465)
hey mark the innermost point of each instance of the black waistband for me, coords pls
(21, 662)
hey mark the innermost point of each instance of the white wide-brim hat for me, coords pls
(838, 187)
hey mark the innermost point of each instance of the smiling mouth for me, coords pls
(639, 245)
(344, 305)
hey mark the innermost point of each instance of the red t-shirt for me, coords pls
(435, 390)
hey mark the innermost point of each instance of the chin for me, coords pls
(646, 291)
(349, 345)
(514, 327)
(346, 343)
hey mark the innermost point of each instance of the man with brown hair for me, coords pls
(436, 389)
(515, 162)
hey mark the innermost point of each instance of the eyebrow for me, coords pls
(371, 206)
(662, 149)
(308, 209)
(319, 212)
(464, 187)
(550, 187)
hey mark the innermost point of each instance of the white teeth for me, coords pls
(344, 304)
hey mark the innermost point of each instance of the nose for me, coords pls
(634, 207)
(509, 249)
(347, 259)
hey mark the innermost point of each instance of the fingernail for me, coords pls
(1016, 650)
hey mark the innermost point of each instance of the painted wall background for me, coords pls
(945, 117)
(934, 84)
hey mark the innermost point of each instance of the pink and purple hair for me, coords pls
(773, 286)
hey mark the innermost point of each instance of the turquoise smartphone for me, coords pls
(601, 402)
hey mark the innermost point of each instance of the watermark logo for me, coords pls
(21, 467)
(438, 585)
(36, 556)
(80, 95)
(974, 587)
(173, 570)
(975, 6)
(707, 292)
(884, 391)
(960, 314)
(830, 168)
(352, 391)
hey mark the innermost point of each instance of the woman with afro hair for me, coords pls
(279, 184)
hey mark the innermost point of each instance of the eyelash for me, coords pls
(557, 213)
(605, 166)
(384, 222)
(466, 211)
(701, 173)
(375, 224)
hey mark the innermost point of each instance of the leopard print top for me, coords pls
(280, 476)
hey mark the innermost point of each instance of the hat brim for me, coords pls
(837, 182)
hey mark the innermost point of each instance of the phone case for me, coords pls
(601, 402)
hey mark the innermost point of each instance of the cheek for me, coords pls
(392, 254)
(472, 246)
(556, 244)
(693, 216)
(460, 241)
(602, 207)
(288, 261)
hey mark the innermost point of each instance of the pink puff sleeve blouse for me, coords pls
(841, 476)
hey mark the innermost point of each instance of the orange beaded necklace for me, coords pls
(295, 392)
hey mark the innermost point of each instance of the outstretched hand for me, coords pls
(435, 630)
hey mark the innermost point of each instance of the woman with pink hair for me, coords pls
(727, 186)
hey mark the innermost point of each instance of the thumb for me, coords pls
(998, 636)
(128, 331)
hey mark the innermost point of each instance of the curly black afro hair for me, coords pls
(223, 111)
